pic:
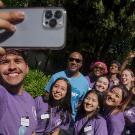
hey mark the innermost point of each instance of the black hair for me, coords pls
(16, 51)
(82, 113)
(125, 96)
(64, 103)
(117, 63)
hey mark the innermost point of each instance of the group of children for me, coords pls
(107, 108)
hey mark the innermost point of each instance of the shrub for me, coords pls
(35, 82)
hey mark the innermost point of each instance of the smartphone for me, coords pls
(41, 28)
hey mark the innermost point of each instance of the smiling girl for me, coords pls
(54, 114)
(88, 121)
(128, 78)
(102, 84)
(116, 102)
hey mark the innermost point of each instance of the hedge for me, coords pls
(35, 82)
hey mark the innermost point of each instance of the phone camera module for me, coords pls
(58, 14)
(48, 14)
(53, 18)
(52, 23)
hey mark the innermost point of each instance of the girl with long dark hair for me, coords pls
(88, 121)
(115, 104)
(54, 114)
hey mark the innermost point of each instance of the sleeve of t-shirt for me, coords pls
(37, 102)
(116, 125)
(2, 101)
(101, 127)
(2, 93)
(48, 86)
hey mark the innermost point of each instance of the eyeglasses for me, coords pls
(74, 59)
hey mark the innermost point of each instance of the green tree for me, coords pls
(101, 29)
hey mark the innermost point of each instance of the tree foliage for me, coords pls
(101, 29)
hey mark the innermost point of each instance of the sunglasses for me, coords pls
(74, 59)
(98, 67)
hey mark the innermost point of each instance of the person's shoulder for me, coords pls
(59, 73)
(28, 96)
(38, 98)
(39, 101)
(3, 89)
(119, 114)
(83, 78)
(119, 117)
(100, 119)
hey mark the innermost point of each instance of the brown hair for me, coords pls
(15, 51)
(125, 97)
(132, 74)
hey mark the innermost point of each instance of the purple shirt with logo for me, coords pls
(14, 107)
(49, 118)
(130, 115)
(115, 123)
(94, 126)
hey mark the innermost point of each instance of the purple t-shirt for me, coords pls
(50, 118)
(130, 115)
(94, 126)
(17, 113)
(91, 81)
(115, 123)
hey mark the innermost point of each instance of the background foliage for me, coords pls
(100, 29)
(35, 82)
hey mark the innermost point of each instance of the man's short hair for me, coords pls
(15, 51)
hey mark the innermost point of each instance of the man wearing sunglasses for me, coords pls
(77, 80)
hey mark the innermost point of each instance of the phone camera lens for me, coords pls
(48, 14)
(58, 14)
(52, 23)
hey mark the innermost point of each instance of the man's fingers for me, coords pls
(1, 4)
(12, 16)
(7, 25)
(2, 51)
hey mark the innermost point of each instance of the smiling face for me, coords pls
(98, 70)
(114, 97)
(102, 84)
(91, 103)
(59, 90)
(127, 78)
(75, 62)
(13, 70)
